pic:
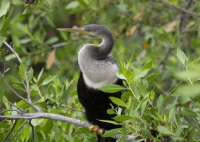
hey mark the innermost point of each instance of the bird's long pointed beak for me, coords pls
(77, 30)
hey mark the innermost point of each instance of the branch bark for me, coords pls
(178, 8)
(28, 116)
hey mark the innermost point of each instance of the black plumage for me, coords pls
(96, 103)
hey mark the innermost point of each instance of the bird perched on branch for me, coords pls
(97, 69)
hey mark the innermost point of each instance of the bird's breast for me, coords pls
(97, 73)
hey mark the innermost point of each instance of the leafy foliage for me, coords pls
(157, 51)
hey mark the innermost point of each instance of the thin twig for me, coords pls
(18, 108)
(32, 130)
(10, 131)
(30, 104)
(19, 129)
(29, 116)
(13, 51)
(27, 86)
(183, 16)
(178, 8)
(10, 110)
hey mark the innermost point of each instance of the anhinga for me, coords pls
(97, 69)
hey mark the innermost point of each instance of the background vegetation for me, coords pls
(157, 49)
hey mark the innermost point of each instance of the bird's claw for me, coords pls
(96, 129)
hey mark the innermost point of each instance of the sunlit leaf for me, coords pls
(22, 69)
(40, 74)
(147, 66)
(72, 5)
(142, 73)
(110, 111)
(30, 74)
(122, 118)
(118, 101)
(110, 121)
(4, 8)
(181, 56)
(188, 90)
(111, 88)
(48, 80)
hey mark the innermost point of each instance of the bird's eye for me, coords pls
(87, 30)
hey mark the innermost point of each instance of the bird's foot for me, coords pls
(96, 129)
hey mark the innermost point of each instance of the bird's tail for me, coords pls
(102, 139)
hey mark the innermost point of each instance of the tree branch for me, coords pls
(28, 116)
(178, 8)
(32, 130)
(4, 140)
(13, 51)
(19, 129)
(30, 104)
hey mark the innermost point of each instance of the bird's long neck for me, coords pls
(105, 47)
(98, 68)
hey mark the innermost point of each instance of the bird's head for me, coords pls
(92, 29)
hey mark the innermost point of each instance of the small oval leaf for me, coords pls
(111, 88)
(118, 101)
(48, 79)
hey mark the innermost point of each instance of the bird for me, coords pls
(97, 69)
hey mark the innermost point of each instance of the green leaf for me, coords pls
(52, 40)
(4, 8)
(49, 126)
(151, 78)
(118, 101)
(110, 111)
(181, 56)
(121, 76)
(72, 5)
(5, 25)
(165, 131)
(188, 112)
(147, 66)
(2, 39)
(13, 79)
(22, 69)
(188, 90)
(111, 88)
(142, 74)
(171, 114)
(122, 118)
(110, 121)
(30, 74)
(40, 74)
(18, 87)
(126, 96)
(48, 80)
(147, 134)
(2, 18)
(183, 99)
(112, 132)
(1, 93)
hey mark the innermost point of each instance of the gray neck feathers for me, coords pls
(97, 67)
